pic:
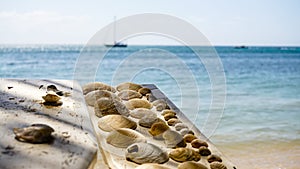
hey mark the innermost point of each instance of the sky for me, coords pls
(222, 22)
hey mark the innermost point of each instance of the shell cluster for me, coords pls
(146, 131)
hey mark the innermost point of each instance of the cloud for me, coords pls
(43, 27)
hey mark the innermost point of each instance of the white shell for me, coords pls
(173, 139)
(141, 112)
(124, 137)
(112, 122)
(180, 126)
(141, 153)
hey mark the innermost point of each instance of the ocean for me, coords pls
(261, 115)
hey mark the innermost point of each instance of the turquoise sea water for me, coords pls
(262, 83)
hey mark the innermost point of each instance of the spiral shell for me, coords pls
(191, 165)
(129, 94)
(128, 86)
(93, 96)
(138, 103)
(184, 154)
(124, 137)
(141, 153)
(105, 106)
(96, 86)
(112, 122)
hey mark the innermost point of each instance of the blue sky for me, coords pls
(230, 22)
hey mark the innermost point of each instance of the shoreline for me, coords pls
(263, 154)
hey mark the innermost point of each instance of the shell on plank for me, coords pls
(198, 143)
(168, 112)
(152, 166)
(138, 103)
(185, 131)
(173, 121)
(96, 86)
(105, 106)
(36, 133)
(160, 104)
(169, 116)
(217, 165)
(189, 138)
(191, 165)
(184, 154)
(114, 121)
(124, 137)
(149, 120)
(180, 126)
(204, 151)
(144, 91)
(93, 96)
(158, 128)
(128, 86)
(211, 158)
(141, 153)
(139, 113)
(129, 94)
(173, 139)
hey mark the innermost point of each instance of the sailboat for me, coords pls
(115, 43)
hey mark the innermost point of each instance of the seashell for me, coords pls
(138, 103)
(97, 86)
(36, 133)
(139, 113)
(112, 122)
(204, 151)
(173, 139)
(150, 97)
(184, 154)
(185, 131)
(149, 120)
(158, 128)
(198, 143)
(168, 112)
(144, 91)
(189, 138)
(180, 126)
(93, 96)
(168, 116)
(141, 153)
(128, 86)
(173, 121)
(105, 106)
(51, 98)
(160, 104)
(191, 165)
(211, 158)
(152, 166)
(124, 137)
(217, 165)
(129, 94)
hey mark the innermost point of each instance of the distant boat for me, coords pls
(115, 44)
(241, 47)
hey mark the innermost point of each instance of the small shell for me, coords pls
(173, 139)
(191, 165)
(185, 131)
(168, 112)
(124, 137)
(158, 128)
(189, 138)
(160, 104)
(36, 133)
(184, 154)
(217, 165)
(204, 151)
(128, 86)
(96, 86)
(144, 91)
(152, 166)
(180, 126)
(173, 121)
(105, 106)
(93, 96)
(211, 158)
(198, 143)
(169, 116)
(51, 98)
(138, 103)
(141, 153)
(129, 94)
(112, 122)
(139, 113)
(150, 97)
(149, 120)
